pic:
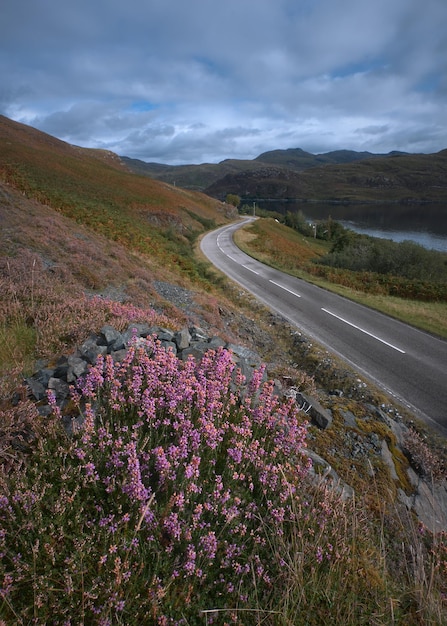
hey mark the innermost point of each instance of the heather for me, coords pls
(45, 311)
(166, 500)
(184, 495)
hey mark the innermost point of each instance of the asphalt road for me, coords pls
(406, 363)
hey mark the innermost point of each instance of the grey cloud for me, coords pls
(200, 80)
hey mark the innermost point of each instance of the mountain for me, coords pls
(195, 177)
(205, 175)
(397, 177)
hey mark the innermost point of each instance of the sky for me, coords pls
(195, 81)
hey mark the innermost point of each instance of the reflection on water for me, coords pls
(425, 224)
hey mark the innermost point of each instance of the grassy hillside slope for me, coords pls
(75, 224)
(94, 188)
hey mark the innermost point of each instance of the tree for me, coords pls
(233, 199)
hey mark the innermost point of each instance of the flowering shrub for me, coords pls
(423, 459)
(166, 501)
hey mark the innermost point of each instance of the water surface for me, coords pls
(425, 224)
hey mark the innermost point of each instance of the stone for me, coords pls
(182, 338)
(349, 419)
(322, 472)
(118, 355)
(90, 349)
(430, 505)
(216, 342)
(197, 349)
(320, 417)
(198, 334)
(77, 367)
(37, 389)
(61, 368)
(163, 334)
(60, 388)
(169, 345)
(110, 335)
(387, 458)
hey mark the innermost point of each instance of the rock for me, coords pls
(110, 335)
(349, 419)
(320, 417)
(246, 360)
(90, 349)
(118, 355)
(196, 349)
(61, 368)
(182, 338)
(76, 367)
(38, 382)
(60, 388)
(37, 389)
(169, 345)
(430, 505)
(249, 356)
(407, 501)
(135, 330)
(198, 334)
(388, 460)
(164, 334)
(216, 342)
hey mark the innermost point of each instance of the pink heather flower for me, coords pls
(90, 471)
(192, 469)
(319, 554)
(51, 397)
(172, 526)
(209, 545)
(7, 585)
(190, 564)
(134, 488)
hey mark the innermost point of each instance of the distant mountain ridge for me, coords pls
(402, 178)
(202, 176)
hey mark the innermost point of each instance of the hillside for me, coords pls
(94, 188)
(98, 524)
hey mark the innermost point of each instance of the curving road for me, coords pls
(408, 364)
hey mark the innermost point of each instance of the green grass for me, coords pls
(17, 346)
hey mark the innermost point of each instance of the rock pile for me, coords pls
(58, 376)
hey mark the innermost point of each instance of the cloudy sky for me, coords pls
(192, 81)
